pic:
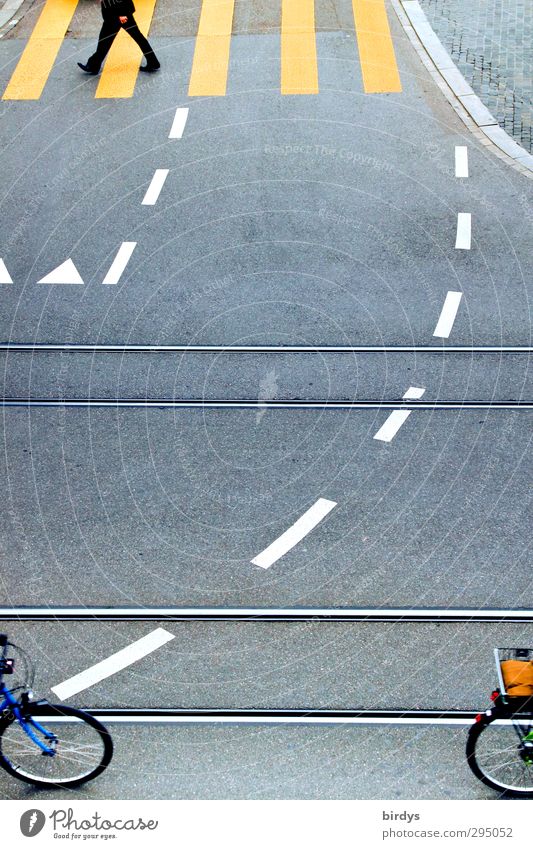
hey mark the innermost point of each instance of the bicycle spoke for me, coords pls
(504, 765)
(78, 751)
(498, 755)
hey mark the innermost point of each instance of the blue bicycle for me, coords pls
(77, 750)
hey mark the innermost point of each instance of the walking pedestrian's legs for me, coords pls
(110, 28)
(133, 30)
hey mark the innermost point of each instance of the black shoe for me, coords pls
(150, 69)
(87, 69)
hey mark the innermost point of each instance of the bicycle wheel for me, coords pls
(498, 755)
(81, 747)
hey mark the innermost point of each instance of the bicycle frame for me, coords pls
(14, 706)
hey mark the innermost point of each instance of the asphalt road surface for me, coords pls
(313, 219)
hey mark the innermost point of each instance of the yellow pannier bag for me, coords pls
(518, 677)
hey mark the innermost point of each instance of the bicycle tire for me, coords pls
(39, 711)
(480, 763)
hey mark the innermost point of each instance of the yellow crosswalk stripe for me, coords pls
(299, 69)
(209, 73)
(29, 77)
(121, 67)
(376, 51)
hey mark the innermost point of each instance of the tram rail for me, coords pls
(295, 614)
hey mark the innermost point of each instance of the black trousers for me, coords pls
(108, 33)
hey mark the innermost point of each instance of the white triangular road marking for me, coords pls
(4, 273)
(65, 274)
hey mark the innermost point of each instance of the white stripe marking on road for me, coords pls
(392, 425)
(178, 124)
(414, 393)
(119, 263)
(65, 274)
(390, 428)
(154, 189)
(463, 239)
(447, 315)
(295, 533)
(120, 660)
(5, 277)
(461, 161)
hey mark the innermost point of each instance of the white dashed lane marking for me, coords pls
(65, 274)
(178, 124)
(463, 238)
(5, 277)
(119, 263)
(154, 189)
(390, 428)
(461, 161)
(295, 533)
(120, 660)
(414, 393)
(448, 314)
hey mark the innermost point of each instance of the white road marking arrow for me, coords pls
(4, 273)
(65, 274)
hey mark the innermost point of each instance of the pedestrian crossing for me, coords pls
(211, 63)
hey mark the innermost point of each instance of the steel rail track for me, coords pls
(203, 614)
(296, 717)
(31, 347)
(310, 716)
(188, 403)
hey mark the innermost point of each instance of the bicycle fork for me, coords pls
(48, 751)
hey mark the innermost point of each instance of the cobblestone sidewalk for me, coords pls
(491, 42)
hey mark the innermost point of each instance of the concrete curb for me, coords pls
(460, 95)
(8, 10)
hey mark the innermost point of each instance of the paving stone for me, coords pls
(490, 42)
